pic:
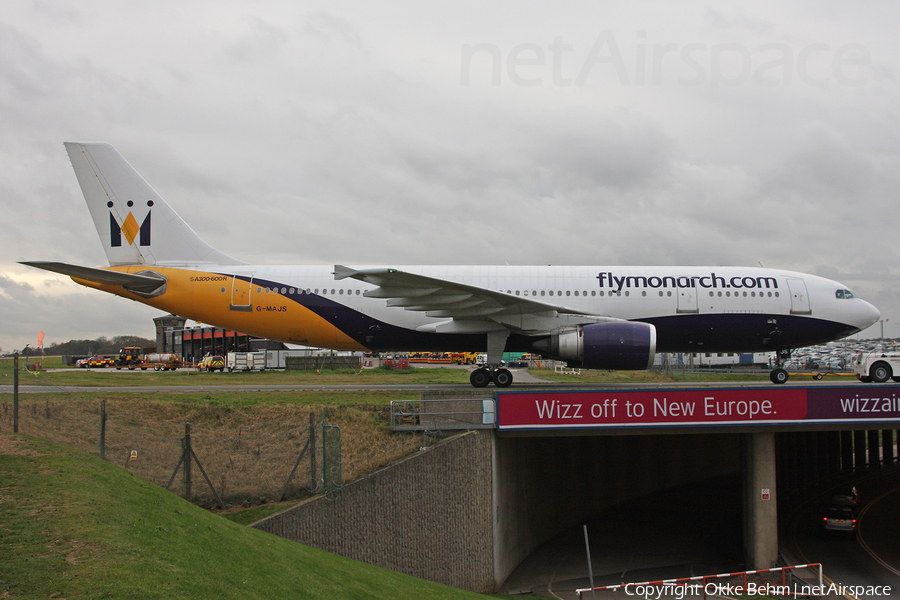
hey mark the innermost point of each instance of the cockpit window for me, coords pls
(844, 294)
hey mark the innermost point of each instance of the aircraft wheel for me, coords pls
(480, 378)
(779, 376)
(503, 378)
(880, 372)
(818, 376)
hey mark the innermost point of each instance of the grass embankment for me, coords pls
(247, 442)
(74, 526)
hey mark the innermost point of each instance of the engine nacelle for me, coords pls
(619, 345)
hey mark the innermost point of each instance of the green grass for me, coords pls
(233, 400)
(414, 376)
(73, 526)
(112, 377)
(588, 377)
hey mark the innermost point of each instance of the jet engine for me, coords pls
(619, 345)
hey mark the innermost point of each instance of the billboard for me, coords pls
(693, 407)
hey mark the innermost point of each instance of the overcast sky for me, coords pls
(582, 132)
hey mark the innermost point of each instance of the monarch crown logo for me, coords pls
(130, 228)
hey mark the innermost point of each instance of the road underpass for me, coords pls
(544, 463)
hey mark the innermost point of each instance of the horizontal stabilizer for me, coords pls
(145, 282)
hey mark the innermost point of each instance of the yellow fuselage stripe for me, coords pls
(207, 297)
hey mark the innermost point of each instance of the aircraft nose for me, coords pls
(867, 315)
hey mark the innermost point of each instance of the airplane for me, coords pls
(607, 317)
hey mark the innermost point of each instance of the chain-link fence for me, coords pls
(248, 455)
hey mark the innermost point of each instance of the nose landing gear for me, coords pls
(779, 375)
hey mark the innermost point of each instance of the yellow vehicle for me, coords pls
(131, 357)
(212, 363)
(464, 358)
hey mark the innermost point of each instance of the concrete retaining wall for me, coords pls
(428, 516)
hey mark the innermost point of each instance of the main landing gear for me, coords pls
(778, 374)
(502, 378)
(480, 378)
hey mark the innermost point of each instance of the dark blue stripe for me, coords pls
(675, 333)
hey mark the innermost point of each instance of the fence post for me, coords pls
(16, 392)
(187, 461)
(103, 430)
(314, 484)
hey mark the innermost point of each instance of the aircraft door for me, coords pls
(799, 297)
(241, 291)
(687, 300)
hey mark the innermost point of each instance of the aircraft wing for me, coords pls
(145, 282)
(467, 308)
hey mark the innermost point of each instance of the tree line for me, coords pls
(102, 345)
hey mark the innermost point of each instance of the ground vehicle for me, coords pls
(94, 361)
(876, 366)
(163, 361)
(212, 363)
(131, 357)
(246, 361)
(840, 519)
(845, 496)
(464, 358)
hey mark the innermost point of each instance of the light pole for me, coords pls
(883, 321)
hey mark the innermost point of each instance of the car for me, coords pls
(94, 361)
(212, 363)
(845, 496)
(840, 519)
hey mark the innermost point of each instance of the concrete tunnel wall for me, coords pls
(544, 485)
(468, 511)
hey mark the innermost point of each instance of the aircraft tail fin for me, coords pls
(136, 226)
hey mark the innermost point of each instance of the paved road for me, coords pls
(522, 378)
(873, 556)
